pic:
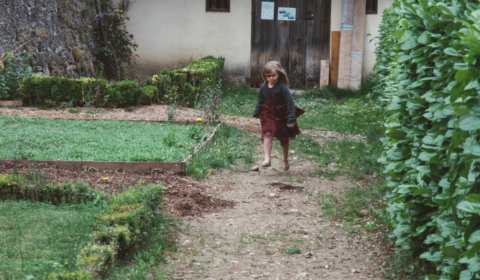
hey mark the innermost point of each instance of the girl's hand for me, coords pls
(291, 125)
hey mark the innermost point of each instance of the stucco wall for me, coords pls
(172, 32)
(371, 27)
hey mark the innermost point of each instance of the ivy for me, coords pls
(428, 71)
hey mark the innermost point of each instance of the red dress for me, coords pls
(273, 118)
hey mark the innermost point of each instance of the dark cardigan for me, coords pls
(281, 95)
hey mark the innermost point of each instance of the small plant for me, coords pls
(210, 102)
(73, 111)
(292, 250)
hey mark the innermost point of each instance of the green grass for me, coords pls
(48, 139)
(37, 239)
(233, 149)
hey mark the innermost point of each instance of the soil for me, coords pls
(184, 196)
(262, 224)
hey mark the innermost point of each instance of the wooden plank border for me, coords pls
(101, 165)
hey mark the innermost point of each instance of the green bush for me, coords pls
(148, 95)
(128, 217)
(430, 64)
(122, 94)
(97, 260)
(39, 90)
(20, 188)
(184, 86)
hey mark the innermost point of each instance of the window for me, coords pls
(218, 5)
(372, 6)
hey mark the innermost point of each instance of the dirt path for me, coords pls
(275, 231)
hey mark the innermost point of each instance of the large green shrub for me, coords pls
(430, 70)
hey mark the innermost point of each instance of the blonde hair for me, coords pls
(272, 66)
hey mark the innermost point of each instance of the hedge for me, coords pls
(183, 86)
(430, 69)
(19, 188)
(129, 220)
(45, 90)
(186, 85)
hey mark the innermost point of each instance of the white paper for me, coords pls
(286, 13)
(268, 10)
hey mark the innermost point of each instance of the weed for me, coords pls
(73, 111)
(292, 250)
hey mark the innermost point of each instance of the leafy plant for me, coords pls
(210, 102)
(113, 45)
(430, 74)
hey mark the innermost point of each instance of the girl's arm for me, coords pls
(260, 102)
(287, 96)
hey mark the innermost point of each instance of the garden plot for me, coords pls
(48, 139)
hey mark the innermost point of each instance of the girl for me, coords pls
(277, 112)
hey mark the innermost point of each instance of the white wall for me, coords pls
(170, 32)
(371, 27)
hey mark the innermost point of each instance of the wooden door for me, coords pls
(298, 45)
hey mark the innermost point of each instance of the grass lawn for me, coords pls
(48, 139)
(37, 239)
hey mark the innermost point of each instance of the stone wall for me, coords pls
(54, 33)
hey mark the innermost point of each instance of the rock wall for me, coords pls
(53, 33)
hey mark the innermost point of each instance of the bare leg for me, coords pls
(285, 165)
(267, 147)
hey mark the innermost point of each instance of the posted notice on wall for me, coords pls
(268, 10)
(285, 13)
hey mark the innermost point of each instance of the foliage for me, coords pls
(113, 45)
(13, 71)
(96, 260)
(33, 188)
(48, 139)
(42, 240)
(185, 86)
(40, 90)
(87, 92)
(431, 157)
(122, 94)
(131, 219)
(148, 95)
(210, 102)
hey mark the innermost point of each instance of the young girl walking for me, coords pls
(277, 112)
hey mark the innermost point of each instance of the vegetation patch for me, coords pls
(39, 239)
(48, 139)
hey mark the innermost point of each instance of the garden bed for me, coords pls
(184, 196)
(47, 139)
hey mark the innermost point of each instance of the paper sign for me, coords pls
(268, 10)
(285, 13)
